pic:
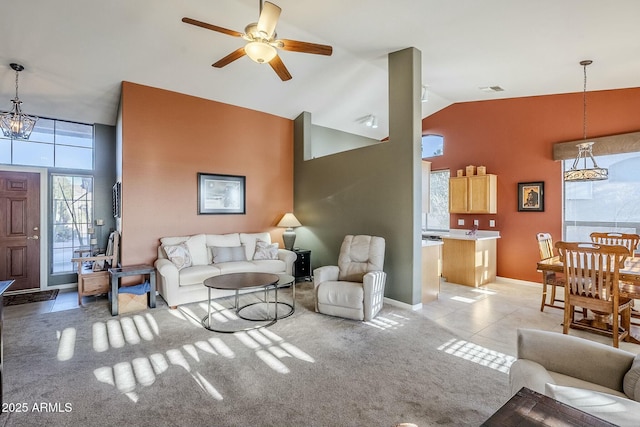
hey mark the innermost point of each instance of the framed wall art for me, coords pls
(221, 194)
(531, 197)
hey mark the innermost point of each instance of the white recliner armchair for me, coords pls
(353, 289)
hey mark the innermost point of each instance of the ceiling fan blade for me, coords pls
(304, 47)
(268, 19)
(236, 54)
(278, 66)
(211, 27)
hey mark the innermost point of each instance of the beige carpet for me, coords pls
(161, 368)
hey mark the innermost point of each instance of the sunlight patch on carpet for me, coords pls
(116, 337)
(66, 344)
(478, 354)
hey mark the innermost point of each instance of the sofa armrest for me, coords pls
(289, 258)
(526, 373)
(576, 357)
(373, 285)
(168, 279)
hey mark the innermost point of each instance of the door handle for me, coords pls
(33, 238)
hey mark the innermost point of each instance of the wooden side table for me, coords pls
(132, 270)
(302, 266)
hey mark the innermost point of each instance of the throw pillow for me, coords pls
(631, 382)
(179, 255)
(265, 250)
(227, 254)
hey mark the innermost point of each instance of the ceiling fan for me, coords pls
(262, 43)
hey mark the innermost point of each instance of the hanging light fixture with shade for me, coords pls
(16, 124)
(584, 173)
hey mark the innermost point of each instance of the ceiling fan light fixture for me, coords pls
(260, 52)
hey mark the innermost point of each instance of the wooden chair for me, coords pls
(93, 274)
(549, 278)
(629, 241)
(592, 281)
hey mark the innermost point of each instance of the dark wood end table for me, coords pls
(132, 270)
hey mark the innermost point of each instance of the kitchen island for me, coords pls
(469, 259)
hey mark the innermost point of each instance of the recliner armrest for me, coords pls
(324, 274)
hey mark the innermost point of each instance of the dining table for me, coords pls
(629, 282)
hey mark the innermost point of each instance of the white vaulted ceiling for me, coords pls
(76, 53)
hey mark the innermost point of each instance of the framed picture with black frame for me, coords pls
(221, 194)
(531, 197)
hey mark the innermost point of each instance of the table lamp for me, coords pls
(289, 236)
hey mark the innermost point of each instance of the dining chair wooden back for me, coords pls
(592, 281)
(549, 278)
(628, 240)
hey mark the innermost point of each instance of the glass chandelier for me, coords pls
(16, 124)
(584, 173)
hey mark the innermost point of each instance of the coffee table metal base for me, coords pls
(206, 321)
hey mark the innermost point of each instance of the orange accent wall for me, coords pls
(167, 138)
(513, 138)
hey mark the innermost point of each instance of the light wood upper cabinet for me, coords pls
(473, 194)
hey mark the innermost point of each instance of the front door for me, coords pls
(20, 229)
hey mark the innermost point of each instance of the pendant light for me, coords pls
(16, 124)
(576, 173)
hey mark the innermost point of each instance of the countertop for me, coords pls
(461, 234)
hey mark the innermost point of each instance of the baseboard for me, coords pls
(510, 281)
(401, 304)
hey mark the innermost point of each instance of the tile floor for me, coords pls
(487, 316)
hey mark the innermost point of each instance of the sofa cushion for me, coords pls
(178, 255)
(615, 409)
(270, 265)
(221, 254)
(631, 382)
(237, 267)
(249, 242)
(221, 240)
(198, 249)
(197, 274)
(569, 381)
(265, 250)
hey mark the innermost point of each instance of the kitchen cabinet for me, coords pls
(476, 194)
(468, 261)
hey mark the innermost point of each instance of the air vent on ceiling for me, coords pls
(491, 89)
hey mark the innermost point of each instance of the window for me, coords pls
(53, 143)
(438, 217)
(610, 205)
(432, 146)
(72, 214)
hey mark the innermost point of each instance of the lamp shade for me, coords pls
(289, 220)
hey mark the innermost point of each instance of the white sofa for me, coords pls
(593, 377)
(185, 285)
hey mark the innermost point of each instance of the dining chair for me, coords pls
(628, 240)
(592, 281)
(549, 278)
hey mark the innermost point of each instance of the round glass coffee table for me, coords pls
(238, 282)
(284, 281)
